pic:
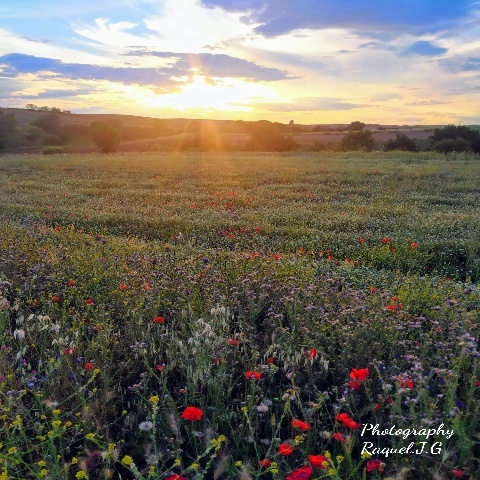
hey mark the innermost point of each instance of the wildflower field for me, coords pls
(252, 316)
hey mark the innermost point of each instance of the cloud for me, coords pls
(182, 65)
(307, 104)
(384, 97)
(424, 48)
(425, 102)
(218, 65)
(459, 64)
(277, 17)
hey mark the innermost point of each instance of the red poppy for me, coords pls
(312, 353)
(192, 414)
(348, 421)
(122, 287)
(270, 360)
(232, 341)
(318, 461)
(414, 245)
(158, 319)
(252, 375)
(175, 477)
(457, 472)
(362, 240)
(354, 385)
(159, 367)
(285, 449)
(407, 383)
(339, 437)
(265, 462)
(375, 464)
(69, 351)
(89, 366)
(302, 473)
(71, 283)
(276, 256)
(360, 375)
(386, 240)
(55, 298)
(477, 383)
(300, 425)
(373, 290)
(89, 301)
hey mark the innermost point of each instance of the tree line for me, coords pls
(52, 132)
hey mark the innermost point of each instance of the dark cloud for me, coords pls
(461, 64)
(55, 94)
(277, 17)
(424, 48)
(421, 103)
(208, 64)
(385, 97)
(219, 65)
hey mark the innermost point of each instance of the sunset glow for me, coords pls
(413, 63)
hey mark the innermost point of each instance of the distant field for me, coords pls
(220, 316)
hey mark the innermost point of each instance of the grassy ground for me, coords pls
(259, 289)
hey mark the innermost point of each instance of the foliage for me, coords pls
(105, 136)
(450, 145)
(241, 318)
(50, 123)
(455, 133)
(269, 137)
(356, 126)
(358, 140)
(401, 142)
(7, 130)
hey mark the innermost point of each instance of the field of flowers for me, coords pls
(223, 316)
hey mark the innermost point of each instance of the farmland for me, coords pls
(238, 315)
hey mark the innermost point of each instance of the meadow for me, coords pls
(253, 316)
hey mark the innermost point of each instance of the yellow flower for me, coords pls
(81, 475)
(365, 455)
(328, 454)
(177, 462)
(12, 450)
(154, 399)
(74, 460)
(68, 424)
(332, 472)
(127, 460)
(57, 411)
(194, 466)
(41, 463)
(90, 436)
(238, 463)
(340, 458)
(56, 423)
(111, 447)
(43, 473)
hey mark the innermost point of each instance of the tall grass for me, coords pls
(271, 293)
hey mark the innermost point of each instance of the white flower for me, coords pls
(145, 426)
(19, 334)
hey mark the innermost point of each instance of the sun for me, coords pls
(202, 94)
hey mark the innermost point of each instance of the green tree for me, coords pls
(356, 126)
(361, 140)
(49, 123)
(440, 137)
(401, 142)
(105, 136)
(8, 130)
(450, 145)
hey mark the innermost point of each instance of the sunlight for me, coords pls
(227, 95)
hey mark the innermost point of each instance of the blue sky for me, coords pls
(314, 61)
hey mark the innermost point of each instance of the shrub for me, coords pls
(401, 142)
(52, 150)
(105, 136)
(451, 145)
(361, 140)
(51, 139)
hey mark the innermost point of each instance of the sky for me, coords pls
(402, 62)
